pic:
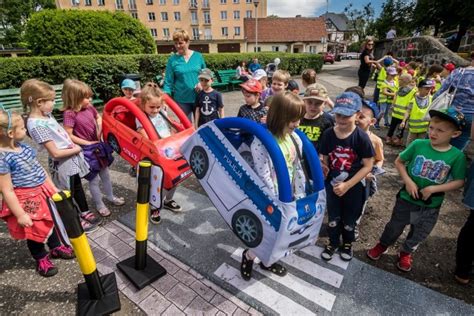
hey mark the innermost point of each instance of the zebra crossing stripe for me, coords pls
(261, 292)
(316, 251)
(303, 288)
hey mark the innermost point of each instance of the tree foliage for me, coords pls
(13, 16)
(77, 32)
(396, 13)
(360, 19)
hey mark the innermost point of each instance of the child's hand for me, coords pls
(77, 149)
(25, 220)
(93, 142)
(412, 189)
(369, 177)
(325, 170)
(402, 124)
(198, 87)
(340, 188)
(426, 193)
(263, 120)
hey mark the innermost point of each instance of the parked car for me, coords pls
(273, 226)
(119, 130)
(328, 57)
(350, 55)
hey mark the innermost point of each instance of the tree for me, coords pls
(13, 16)
(360, 19)
(77, 32)
(396, 13)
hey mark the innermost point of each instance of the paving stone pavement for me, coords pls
(182, 291)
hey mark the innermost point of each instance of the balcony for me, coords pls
(193, 5)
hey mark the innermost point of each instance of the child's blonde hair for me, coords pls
(308, 76)
(8, 121)
(149, 91)
(406, 77)
(285, 108)
(281, 75)
(33, 90)
(74, 91)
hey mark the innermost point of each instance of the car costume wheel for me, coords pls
(113, 142)
(199, 161)
(247, 227)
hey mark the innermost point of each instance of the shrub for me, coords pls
(79, 32)
(104, 72)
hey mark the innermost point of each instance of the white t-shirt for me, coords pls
(160, 124)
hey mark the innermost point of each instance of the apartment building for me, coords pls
(214, 25)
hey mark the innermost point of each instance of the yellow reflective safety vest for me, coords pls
(416, 124)
(381, 77)
(392, 87)
(401, 104)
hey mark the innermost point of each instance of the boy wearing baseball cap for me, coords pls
(428, 168)
(315, 121)
(347, 155)
(209, 104)
(253, 109)
(128, 86)
(416, 111)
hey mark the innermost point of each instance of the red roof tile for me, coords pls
(286, 29)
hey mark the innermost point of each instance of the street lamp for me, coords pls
(255, 3)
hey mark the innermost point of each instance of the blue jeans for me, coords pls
(384, 112)
(469, 188)
(188, 109)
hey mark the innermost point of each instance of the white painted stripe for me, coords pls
(316, 251)
(309, 291)
(261, 292)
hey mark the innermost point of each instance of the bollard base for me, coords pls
(141, 278)
(108, 304)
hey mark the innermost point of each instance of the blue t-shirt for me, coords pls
(254, 66)
(23, 167)
(345, 155)
(208, 104)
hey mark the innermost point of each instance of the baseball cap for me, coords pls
(391, 71)
(205, 73)
(128, 84)
(252, 85)
(452, 115)
(372, 106)
(426, 83)
(449, 67)
(347, 104)
(259, 74)
(402, 64)
(316, 91)
(387, 61)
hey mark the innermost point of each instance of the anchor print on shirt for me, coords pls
(206, 109)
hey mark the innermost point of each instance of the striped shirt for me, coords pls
(464, 97)
(23, 167)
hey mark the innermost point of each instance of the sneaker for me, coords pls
(376, 252)
(91, 218)
(328, 252)
(404, 261)
(63, 252)
(88, 227)
(356, 233)
(118, 201)
(45, 267)
(172, 206)
(346, 252)
(155, 217)
(104, 211)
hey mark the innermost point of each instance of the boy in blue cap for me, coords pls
(428, 168)
(347, 159)
(128, 87)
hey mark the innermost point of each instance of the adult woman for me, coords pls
(366, 61)
(241, 72)
(182, 70)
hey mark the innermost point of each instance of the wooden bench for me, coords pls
(227, 77)
(10, 100)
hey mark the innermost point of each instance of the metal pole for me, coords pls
(256, 27)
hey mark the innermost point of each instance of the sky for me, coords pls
(290, 8)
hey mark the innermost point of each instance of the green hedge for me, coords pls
(104, 72)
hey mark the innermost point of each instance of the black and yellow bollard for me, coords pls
(98, 295)
(141, 269)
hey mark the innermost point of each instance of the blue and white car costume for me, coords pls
(273, 226)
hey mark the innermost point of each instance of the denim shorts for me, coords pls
(469, 188)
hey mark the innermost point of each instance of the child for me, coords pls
(315, 121)
(348, 157)
(283, 117)
(152, 104)
(84, 124)
(403, 97)
(308, 77)
(262, 77)
(253, 109)
(434, 73)
(208, 101)
(279, 84)
(388, 89)
(428, 167)
(26, 189)
(416, 110)
(128, 88)
(66, 161)
(293, 87)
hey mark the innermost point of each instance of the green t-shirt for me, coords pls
(427, 166)
(289, 153)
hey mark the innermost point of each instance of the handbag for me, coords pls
(444, 100)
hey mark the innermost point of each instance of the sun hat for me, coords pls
(205, 73)
(316, 91)
(259, 74)
(252, 86)
(128, 84)
(392, 71)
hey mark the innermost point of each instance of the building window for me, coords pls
(149, 2)
(175, 2)
(257, 49)
(235, 1)
(224, 31)
(162, 2)
(223, 1)
(194, 18)
(75, 3)
(177, 16)
(151, 16)
(237, 30)
(249, 1)
(312, 49)
(207, 34)
(100, 2)
(166, 33)
(88, 2)
(236, 15)
(132, 4)
(275, 48)
(164, 16)
(223, 15)
(207, 17)
(119, 4)
(153, 32)
(134, 15)
(195, 33)
(205, 4)
(248, 14)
